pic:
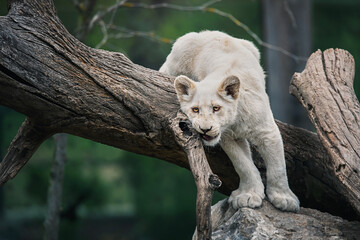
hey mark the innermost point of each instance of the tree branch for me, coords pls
(24, 145)
(97, 18)
(206, 181)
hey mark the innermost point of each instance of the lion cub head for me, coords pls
(211, 106)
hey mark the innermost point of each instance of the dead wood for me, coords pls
(325, 89)
(206, 182)
(61, 85)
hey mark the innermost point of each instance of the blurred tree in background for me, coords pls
(112, 194)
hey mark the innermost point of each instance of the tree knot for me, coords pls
(214, 181)
(185, 128)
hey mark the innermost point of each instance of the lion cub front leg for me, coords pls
(270, 145)
(251, 189)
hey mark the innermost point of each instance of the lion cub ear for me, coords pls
(185, 88)
(229, 88)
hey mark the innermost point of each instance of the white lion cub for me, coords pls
(221, 88)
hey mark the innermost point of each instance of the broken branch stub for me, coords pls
(24, 145)
(325, 89)
(206, 182)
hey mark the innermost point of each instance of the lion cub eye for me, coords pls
(195, 109)
(216, 108)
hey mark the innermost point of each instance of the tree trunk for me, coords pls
(325, 89)
(64, 86)
(52, 218)
(287, 24)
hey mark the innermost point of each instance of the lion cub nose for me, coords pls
(205, 130)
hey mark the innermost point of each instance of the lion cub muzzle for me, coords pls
(205, 136)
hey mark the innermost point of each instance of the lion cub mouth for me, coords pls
(207, 137)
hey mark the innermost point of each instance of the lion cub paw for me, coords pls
(239, 199)
(283, 199)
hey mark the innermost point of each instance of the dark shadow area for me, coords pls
(3, 8)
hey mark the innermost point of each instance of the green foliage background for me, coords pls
(144, 198)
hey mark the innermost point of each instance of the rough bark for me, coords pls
(325, 89)
(206, 181)
(269, 223)
(64, 86)
(28, 139)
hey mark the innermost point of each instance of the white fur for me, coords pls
(226, 73)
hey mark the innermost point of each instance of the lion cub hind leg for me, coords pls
(251, 189)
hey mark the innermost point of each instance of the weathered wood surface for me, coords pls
(64, 86)
(325, 89)
(268, 222)
(26, 142)
(206, 182)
